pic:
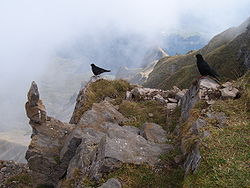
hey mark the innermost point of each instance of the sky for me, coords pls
(32, 31)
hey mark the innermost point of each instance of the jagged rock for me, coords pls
(205, 89)
(121, 146)
(43, 154)
(188, 101)
(35, 109)
(47, 140)
(153, 132)
(193, 160)
(104, 150)
(112, 183)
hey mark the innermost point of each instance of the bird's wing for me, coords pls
(101, 69)
(214, 72)
(209, 70)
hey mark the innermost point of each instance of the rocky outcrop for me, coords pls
(154, 133)
(106, 145)
(206, 90)
(97, 143)
(47, 140)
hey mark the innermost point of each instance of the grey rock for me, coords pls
(132, 129)
(209, 83)
(160, 99)
(193, 160)
(188, 101)
(102, 112)
(180, 94)
(43, 154)
(153, 132)
(171, 106)
(195, 128)
(35, 109)
(220, 118)
(171, 100)
(204, 89)
(229, 92)
(112, 183)
(106, 147)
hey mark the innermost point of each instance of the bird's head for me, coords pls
(92, 65)
(199, 56)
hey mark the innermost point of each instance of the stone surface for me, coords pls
(35, 109)
(101, 112)
(154, 133)
(220, 118)
(171, 106)
(108, 149)
(132, 129)
(112, 183)
(188, 101)
(229, 92)
(193, 160)
(43, 154)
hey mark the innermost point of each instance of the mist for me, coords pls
(34, 33)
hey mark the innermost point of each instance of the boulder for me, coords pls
(102, 112)
(154, 133)
(104, 150)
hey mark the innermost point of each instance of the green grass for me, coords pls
(142, 176)
(138, 112)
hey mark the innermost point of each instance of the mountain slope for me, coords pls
(227, 52)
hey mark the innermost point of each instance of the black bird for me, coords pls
(97, 70)
(204, 68)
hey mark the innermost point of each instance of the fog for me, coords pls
(33, 33)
